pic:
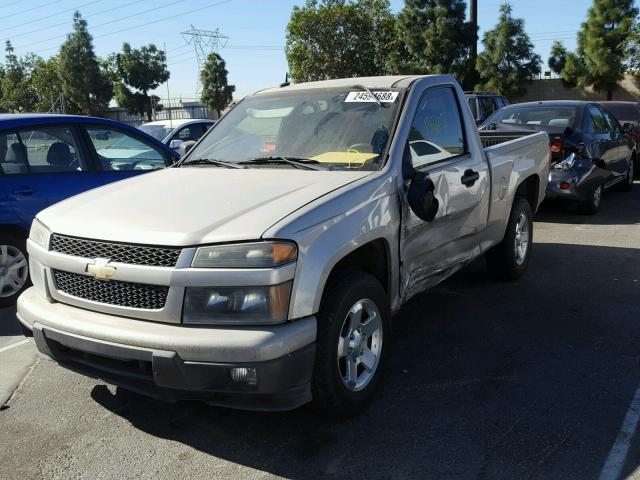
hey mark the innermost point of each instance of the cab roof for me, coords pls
(389, 81)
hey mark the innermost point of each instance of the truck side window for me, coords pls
(436, 132)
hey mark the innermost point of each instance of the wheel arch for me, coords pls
(14, 230)
(529, 188)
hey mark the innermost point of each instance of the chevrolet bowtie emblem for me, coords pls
(101, 269)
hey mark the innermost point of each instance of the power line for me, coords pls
(165, 18)
(46, 4)
(66, 22)
(11, 4)
(133, 27)
(170, 4)
(50, 16)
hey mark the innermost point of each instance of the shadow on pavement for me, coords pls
(618, 208)
(487, 381)
(9, 325)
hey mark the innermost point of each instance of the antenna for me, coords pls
(204, 43)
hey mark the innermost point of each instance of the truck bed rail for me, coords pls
(490, 138)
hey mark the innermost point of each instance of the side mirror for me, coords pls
(421, 197)
(185, 147)
(175, 144)
(627, 127)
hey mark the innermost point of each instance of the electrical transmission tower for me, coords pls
(204, 43)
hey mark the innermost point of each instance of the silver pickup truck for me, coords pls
(263, 270)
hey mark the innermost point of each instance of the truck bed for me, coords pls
(490, 138)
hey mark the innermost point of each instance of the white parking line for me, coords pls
(618, 454)
(17, 344)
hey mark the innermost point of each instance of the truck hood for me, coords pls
(191, 206)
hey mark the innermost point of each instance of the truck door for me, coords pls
(439, 149)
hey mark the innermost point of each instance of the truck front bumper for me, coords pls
(255, 368)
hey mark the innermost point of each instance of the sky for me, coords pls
(254, 49)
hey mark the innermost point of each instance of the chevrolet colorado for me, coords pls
(261, 272)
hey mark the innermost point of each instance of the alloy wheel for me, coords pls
(14, 270)
(360, 345)
(597, 196)
(521, 243)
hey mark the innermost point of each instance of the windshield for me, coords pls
(336, 129)
(159, 132)
(624, 111)
(542, 117)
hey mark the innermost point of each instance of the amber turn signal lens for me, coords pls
(283, 253)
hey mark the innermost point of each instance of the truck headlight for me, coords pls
(39, 233)
(246, 255)
(237, 305)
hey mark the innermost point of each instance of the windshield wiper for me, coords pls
(368, 90)
(275, 160)
(210, 161)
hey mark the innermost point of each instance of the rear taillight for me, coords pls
(557, 147)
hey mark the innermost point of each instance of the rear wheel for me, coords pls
(509, 259)
(14, 268)
(592, 203)
(353, 323)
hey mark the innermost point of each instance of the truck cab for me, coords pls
(267, 276)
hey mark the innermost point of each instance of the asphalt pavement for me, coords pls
(488, 380)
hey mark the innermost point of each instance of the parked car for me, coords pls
(628, 115)
(590, 152)
(483, 104)
(175, 132)
(265, 273)
(47, 158)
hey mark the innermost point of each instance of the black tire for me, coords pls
(592, 203)
(12, 242)
(502, 259)
(627, 184)
(345, 289)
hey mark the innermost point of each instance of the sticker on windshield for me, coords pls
(362, 96)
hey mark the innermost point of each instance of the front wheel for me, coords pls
(14, 268)
(352, 343)
(509, 259)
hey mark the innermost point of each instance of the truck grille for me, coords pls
(116, 252)
(114, 292)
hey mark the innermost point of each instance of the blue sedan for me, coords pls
(47, 158)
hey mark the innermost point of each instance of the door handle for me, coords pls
(24, 191)
(469, 177)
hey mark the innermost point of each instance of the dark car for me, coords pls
(628, 115)
(483, 104)
(589, 151)
(47, 158)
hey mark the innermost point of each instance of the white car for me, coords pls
(175, 132)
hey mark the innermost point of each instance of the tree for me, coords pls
(340, 38)
(632, 50)
(600, 60)
(557, 57)
(508, 61)
(142, 69)
(16, 91)
(217, 94)
(47, 83)
(437, 39)
(84, 84)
